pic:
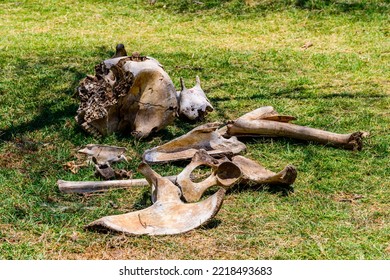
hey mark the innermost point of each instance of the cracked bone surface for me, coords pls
(128, 94)
(168, 214)
(223, 173)
(193, 102)
(265, 121)
(184, 147)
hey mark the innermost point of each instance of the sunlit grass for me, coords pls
(247, 56)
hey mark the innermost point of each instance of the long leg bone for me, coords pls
(184, 147)
(168, 215)
(265, 121)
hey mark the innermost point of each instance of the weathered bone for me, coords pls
(168, 214)
(128, 94)
(223, 173)
(254, 173)
(184, 147)
(103, 154)
(265, 121)
(193, 103)
(101, 186)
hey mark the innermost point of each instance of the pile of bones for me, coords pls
(134, 95)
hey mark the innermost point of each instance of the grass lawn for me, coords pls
(248, 54)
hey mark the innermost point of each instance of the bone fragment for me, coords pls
(103, 154)
(193, 102)
(265, 121)
(184, 147)
(168, 214)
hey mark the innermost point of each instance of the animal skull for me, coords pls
(128, 94)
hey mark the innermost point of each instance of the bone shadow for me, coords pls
(275, 189)
(264, 7)
(46, 115)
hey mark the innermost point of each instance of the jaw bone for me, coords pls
(167, 215)
(184, 147)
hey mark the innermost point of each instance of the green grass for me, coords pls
(248, 54)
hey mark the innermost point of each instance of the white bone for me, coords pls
(193, 102)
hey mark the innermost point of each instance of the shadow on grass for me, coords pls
(45, 118)
(237, 7)
(46, 73)
(276, 189)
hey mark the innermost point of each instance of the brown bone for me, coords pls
(168, 214)
(128, 94)
(223, 173)
(184, 147)
(254, 173)
(104, 154)
(265, 121)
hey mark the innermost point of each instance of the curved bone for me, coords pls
(193, 102)
(128, 94)
(184, 147)
(267, 122)
(223, 173)
(168, 215)
(254, 173)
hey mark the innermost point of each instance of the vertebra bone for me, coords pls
(193, 102)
